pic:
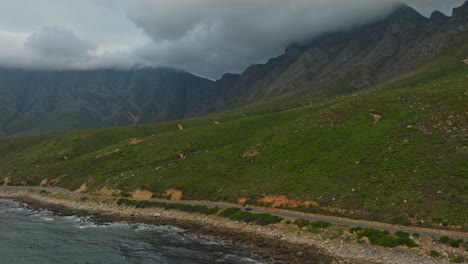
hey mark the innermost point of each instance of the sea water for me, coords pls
(42, 237)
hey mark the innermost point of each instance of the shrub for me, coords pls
(181, 207)
(235, 214)
(301, 223)
(122, 201)
(440, 220)
(260, 219)
(201, 209)
(83, 199)
(386, 241)
(402, 234)
(383, 238)
(353, 230)
(229, 211)
(454, 243)
(142, 204)
(321, 224)
(406, 241)
(434, 254)
(444, 239)
(377, 237)
(457, 259)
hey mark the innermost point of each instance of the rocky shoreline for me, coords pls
(273, 243)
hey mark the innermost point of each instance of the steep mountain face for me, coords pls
(40, 101)
(355, 59)
(404, 161)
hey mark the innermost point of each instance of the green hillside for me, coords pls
(412, 164)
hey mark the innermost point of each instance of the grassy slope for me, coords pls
(329, 152)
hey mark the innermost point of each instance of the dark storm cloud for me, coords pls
(206, 37)
(211, 37)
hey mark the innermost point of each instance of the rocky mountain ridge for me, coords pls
(43, 101)
(356, 59)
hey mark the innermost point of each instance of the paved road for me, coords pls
(282, 213)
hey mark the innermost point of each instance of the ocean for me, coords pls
(41, 237)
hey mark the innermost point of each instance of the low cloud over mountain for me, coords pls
(206, 37)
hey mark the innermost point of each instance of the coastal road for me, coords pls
(278, 212)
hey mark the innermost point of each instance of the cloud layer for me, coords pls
(58, 43)
(206, 37)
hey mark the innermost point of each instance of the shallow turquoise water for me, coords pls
(40, 237)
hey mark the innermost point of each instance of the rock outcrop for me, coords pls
(351, 60)
(33, 102)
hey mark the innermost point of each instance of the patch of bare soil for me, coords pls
(181, 127)
(242, 201)
(6, 181)
(284, 201)
(107, 153)
(57, 180)
(83, 188)
(44, 182)
(376, 117)
(250, 154)
(173, 194)
(135, 141)
(107, 191)
(142, 195)
(217, 123)
(465, 61)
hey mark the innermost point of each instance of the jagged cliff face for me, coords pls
(33, 102)
(356, 59)
(39, 101)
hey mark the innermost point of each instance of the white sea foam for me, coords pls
(144, 227)
(72, 218)
(236, 259)
(87, 225)
(15, 209)
(86, 222)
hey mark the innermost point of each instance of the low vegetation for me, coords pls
(248, 217)
(200, 209)
(409, 167)
(301, 223)
(234, 214)
(384, 238)
(450, 241)
(434, 254)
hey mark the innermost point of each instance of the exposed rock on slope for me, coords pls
(42, 101)
(347, 61)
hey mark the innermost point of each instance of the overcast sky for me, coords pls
(206, 37)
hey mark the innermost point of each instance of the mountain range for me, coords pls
(369, 123)
(39, 101)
